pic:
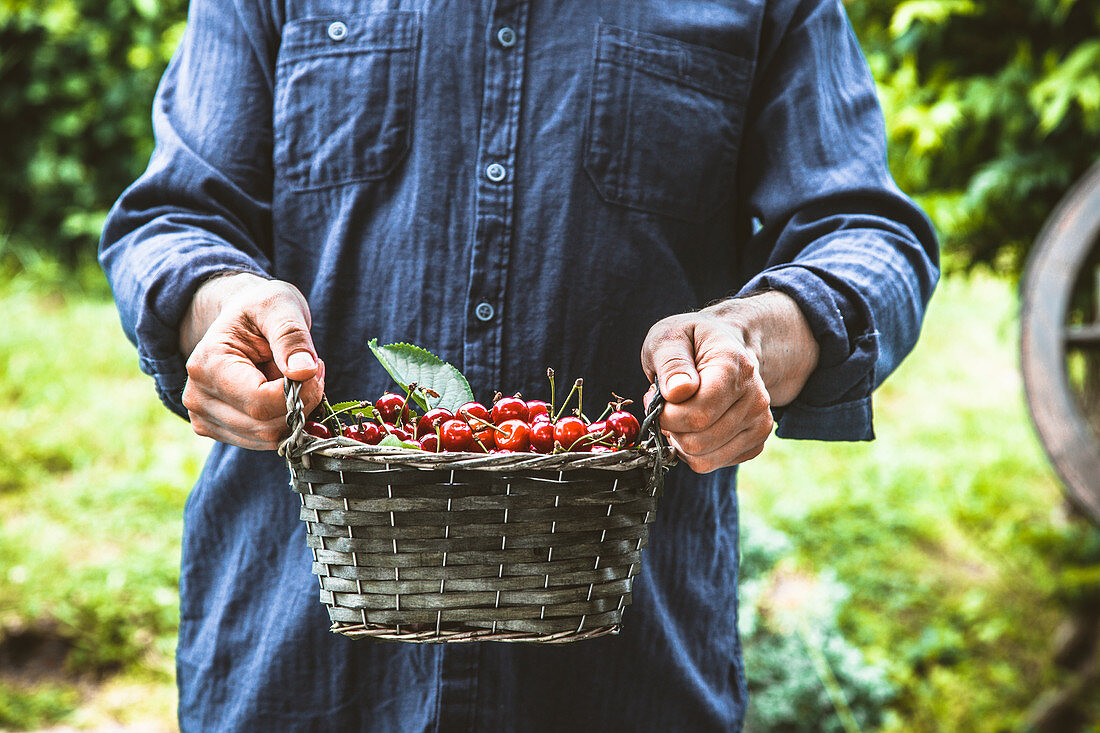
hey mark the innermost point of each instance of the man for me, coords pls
(514, 185)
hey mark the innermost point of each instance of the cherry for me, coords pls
(509, 408)
(370, 433)
(317, 430)
(456, 435)
(429, 442)
(473, 410)
(569, 430)
(515, 436)
(542, 436)
(431, 420)
(537, 409)
(624, 425)
(484, 439)
(403, 434)
(601, 449)
(389, 405)
(598, 431)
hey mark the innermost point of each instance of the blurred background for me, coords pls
(933, 580)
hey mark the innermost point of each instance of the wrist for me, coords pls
(776, 331)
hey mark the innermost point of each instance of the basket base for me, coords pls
(433, 636)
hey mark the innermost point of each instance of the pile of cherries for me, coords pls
(512, 425)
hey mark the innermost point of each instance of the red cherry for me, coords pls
(536, 409)
(429, 442)
(542, 436)
(389, 405)
(624, 425)
(516, 436)
(370, 433)
(509, 408)
(484, 439)
(317, 430)
(598, 431)
(431, 420)
(473, 410)
(456, 435)
(568, 431)
(601, 449)
(403, 434)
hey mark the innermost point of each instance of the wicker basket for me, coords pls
(433, 547)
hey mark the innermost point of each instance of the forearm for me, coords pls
(775, 329)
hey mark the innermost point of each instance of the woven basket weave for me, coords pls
(430, 547)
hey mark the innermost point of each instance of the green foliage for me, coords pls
(76, 86)
(93, 477)
(992, 108)
(803, 675)
(946, 530)
(28, 708)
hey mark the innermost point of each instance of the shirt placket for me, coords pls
(494, 197)
(494, 206)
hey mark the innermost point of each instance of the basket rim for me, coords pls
(341, 447)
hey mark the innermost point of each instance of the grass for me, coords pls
(943, 526)
(93, 476)
(946, 529)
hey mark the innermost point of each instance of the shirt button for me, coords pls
(484, 312)
(507, 37)
(495, 172)
(337, 30)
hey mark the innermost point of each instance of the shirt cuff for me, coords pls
(158, 344)
(835, 403)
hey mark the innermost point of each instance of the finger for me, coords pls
(724, 383)
(233, 379)
(746, 445)
(284, 322)
(226, 424)
(668, 355)
(752, 408)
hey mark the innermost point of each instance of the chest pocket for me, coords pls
(664, 123)
(344, 95)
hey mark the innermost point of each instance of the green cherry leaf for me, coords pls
(392, 441)
(407, 364)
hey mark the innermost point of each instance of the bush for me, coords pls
(993, 111)
(76, 85)
(803, 675)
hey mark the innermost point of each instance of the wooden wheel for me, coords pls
(1060, 341)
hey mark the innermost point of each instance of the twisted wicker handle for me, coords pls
(295, 416)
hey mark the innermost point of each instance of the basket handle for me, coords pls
(295, 416)
(652, 422)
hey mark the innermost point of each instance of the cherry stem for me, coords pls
(477, 419)
(580, 399)
(550, 376)
(405, 405)
(606, 410)
(565, 402)
(331, 415)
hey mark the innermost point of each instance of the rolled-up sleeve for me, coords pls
(832, 230)
(203, 204)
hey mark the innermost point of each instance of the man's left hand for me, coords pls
(720, 371)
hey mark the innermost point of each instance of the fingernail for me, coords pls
(676, 380)
(299, 361)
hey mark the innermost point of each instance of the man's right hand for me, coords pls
(241, 335)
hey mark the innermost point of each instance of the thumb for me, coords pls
(286, 330)
(672, 359)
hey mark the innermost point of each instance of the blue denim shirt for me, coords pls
(514, 185)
